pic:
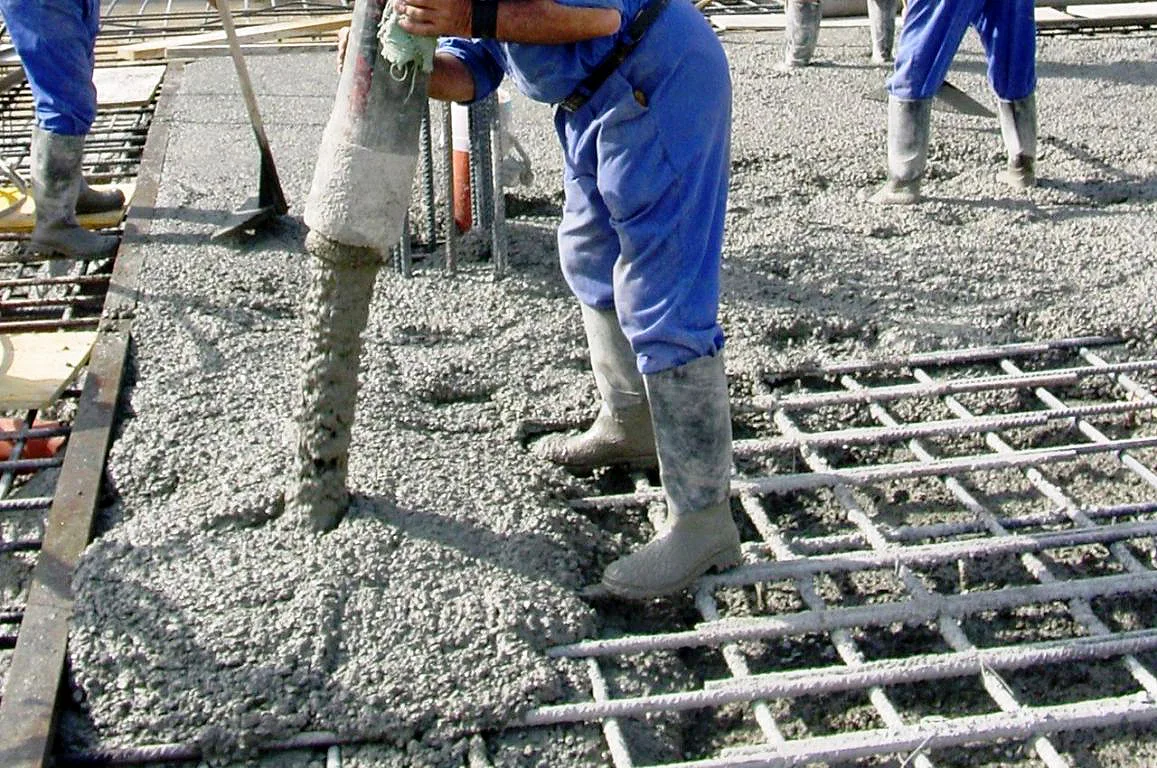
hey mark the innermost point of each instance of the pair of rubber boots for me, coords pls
(678, 419)
(802, 30)
(908, 133)
(60, 193)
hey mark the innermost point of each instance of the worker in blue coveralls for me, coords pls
(55, 40)
(644, 118)
(930, 35)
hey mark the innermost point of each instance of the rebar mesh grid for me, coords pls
(983, 517)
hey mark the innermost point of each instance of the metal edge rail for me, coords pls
(29, 707)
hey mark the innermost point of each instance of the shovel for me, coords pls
(949, 97)
(270, 201)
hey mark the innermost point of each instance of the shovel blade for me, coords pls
(949, 98)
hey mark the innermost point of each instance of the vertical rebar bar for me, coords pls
(448, 188)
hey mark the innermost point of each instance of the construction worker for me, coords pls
(801, 30)
(55, 40)
(644, 120)
(929, 39)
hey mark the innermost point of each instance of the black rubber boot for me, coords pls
(1019, 129)
(621, 433)
(98, 200)
(689, 408)
(908, 133)
(56, 183)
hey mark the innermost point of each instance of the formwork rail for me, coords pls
(1012, 543)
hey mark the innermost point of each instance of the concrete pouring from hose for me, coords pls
(356, 211)
(369, 149)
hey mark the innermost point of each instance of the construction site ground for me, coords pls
(204, 617)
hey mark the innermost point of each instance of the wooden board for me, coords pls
(127, 86)
(36, 367)
(253, 49)
(158, 47)
(24, 218)
(761, 21)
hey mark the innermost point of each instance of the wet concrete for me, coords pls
(206, 615)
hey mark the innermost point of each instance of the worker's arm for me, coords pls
(541, 22)
(451, 79)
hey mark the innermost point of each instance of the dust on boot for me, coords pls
(56, 185)
(1018, 127)
(692, 420)
(621, 433)
(908, 133)
(801, 32)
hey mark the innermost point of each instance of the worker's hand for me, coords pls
(434, 18)
(343, 39)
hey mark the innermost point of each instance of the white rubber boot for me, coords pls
(689, 408)
(621, 433)
(882, 21)
(801, 32)
(908, 133)
(1019, 129)
(56, 182)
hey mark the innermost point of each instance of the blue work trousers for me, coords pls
(55, 40)
(645, 180)
(931, 35)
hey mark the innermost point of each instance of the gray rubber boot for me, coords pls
(1018, 127)
(56, 181)
(98, 200)
(689, 408)
(801, 32)
(621, 433)
(908, 133)
(882, 20)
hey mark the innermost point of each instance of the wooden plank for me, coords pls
(23, 219)
(254, 49)
(36, 367)
(773, 21)
(29, 706)
(127, 86)
(1129, 10)
(157, 47)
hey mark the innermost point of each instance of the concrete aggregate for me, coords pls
(205, 614)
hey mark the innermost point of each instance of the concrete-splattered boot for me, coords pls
(908, 133)
(689, 408)
(801, 32)
(621, 433)
(1018, 127)
(56, 182)
(882, 20)
(98, 200)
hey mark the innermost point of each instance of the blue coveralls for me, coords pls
(55, 40)
(932, 33)
(646, 173)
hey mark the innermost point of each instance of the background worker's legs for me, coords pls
(882, 22)
(801, 32)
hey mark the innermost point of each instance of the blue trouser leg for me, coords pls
(929, 39)
(55, 40)
(1007, 29)
(646, 188)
